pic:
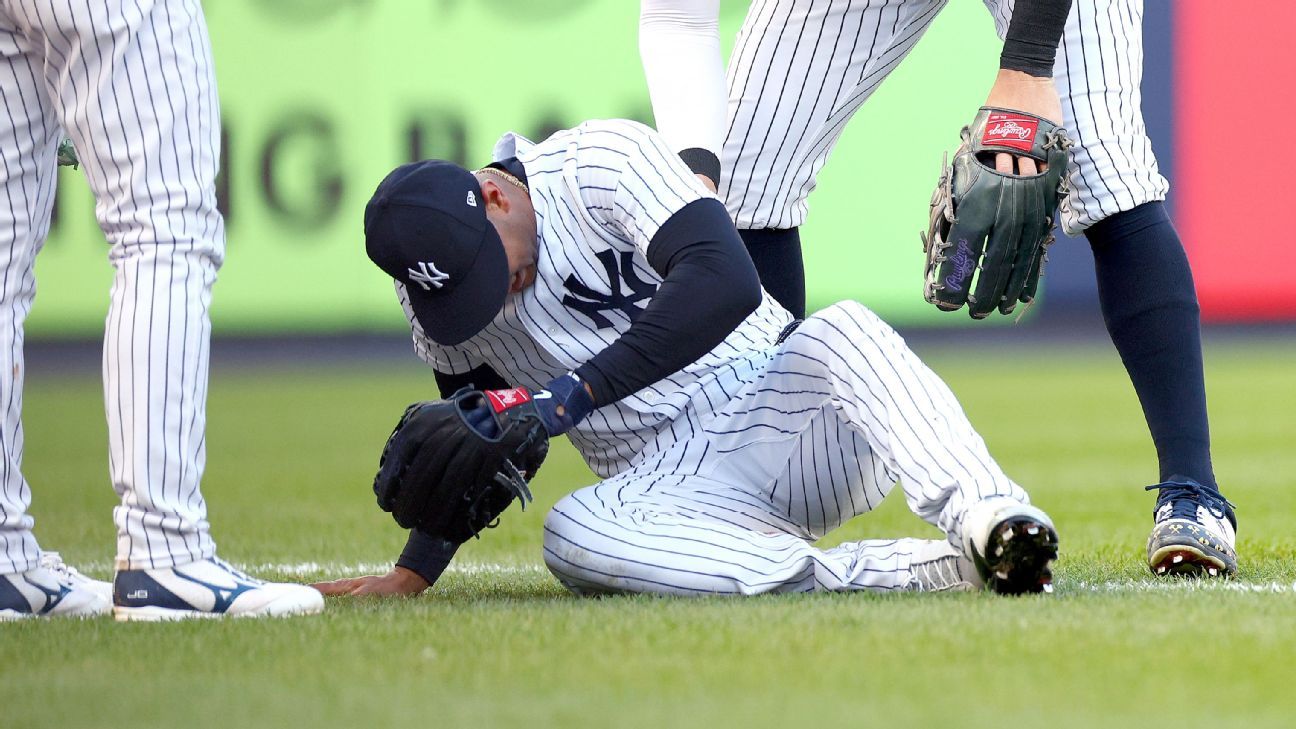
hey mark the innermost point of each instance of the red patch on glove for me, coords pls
(502, 400)
(1013, 131)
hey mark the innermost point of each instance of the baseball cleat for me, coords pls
(209, 588)
(938, 566)
(1011, 545)
(54, 563)
(1194, 533)
(45, 592)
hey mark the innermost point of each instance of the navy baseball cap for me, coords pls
(426, 227)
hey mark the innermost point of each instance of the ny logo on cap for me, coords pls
(428, 274)
(472, 199)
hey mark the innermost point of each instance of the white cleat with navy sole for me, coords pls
(210, 588)
(50, 590)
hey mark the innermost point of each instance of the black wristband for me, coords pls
(702, 162)
(426, 556)
(1033, 36)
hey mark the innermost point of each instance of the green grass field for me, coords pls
(498, 643)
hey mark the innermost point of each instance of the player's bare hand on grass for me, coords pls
(400, 582)
(1032, 94)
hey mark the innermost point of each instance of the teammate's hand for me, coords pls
(1032, 94)
(400, 582)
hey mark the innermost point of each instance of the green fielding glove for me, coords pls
(983, 220)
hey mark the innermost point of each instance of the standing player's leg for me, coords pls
(798, 72)
(28, 138)
(1145, 284)
(132, 83)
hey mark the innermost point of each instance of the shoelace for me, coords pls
(67, 573)
(238, 574)
(939, 574)
(1185, 496)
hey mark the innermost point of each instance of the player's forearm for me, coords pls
(679, 44)
(709, 286)
(426, 556)
(1033, 36)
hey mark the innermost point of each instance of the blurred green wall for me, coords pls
(320, 98)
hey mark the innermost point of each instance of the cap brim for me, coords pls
(454, 317)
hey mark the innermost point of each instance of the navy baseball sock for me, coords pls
(1149, 304)
(777, 255)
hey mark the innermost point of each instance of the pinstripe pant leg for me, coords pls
(132, 83)
(664, 534)
(912, 424)
(843, 409)
(1098, 75)
(28, 136)
(798, 72)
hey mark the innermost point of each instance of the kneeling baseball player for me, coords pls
(590, 285)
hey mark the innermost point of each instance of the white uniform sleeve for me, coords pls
(630, 181)
(446, 360)
(679, 44)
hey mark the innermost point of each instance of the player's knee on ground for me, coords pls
(570, 555)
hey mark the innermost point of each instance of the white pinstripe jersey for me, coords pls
(601, 191)
(799, 70)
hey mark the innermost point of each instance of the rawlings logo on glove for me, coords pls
(1011, 131)
(502, 400)
(1002, 223)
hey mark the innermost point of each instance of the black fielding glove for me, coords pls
(451, 467)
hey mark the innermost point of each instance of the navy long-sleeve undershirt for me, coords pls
(1034, 33)
(709, 285)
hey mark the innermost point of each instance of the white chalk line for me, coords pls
(506, 570)
(302, 569)
(1177, 585)
(349, 569)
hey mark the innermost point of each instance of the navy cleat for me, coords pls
(1012, 545)
(1194, 533)
(209, 588)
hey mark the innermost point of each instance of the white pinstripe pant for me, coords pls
(131, 82)
(843, 409)
(801, 68)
